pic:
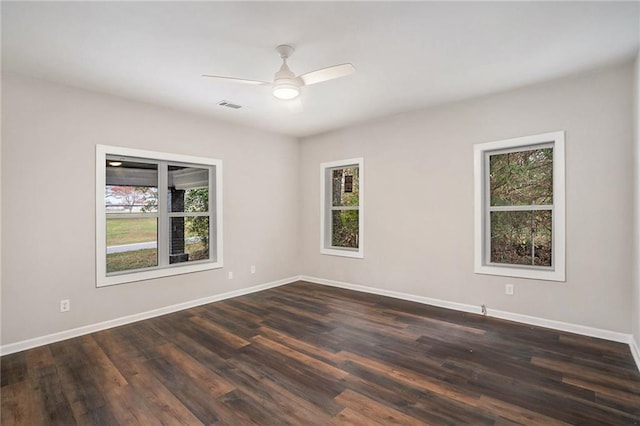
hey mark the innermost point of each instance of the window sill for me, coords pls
(155, 273)
(535, 274)
(343, 252)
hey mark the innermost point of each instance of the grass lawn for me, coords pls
(128, 231)
(197, 251)
(146, 258)
(132, 260)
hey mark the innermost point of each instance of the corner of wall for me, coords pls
(0, 210)
(299, 206)
(635, 328)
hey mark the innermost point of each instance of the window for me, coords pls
(342, 215)
(156, 214)
(519, 207)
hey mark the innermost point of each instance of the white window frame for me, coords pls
(482, 264)
(326, 208)
(102, 278)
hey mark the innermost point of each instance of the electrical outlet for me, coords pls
(508, 289)
(230, 275)
(65, 305)
(253, 269)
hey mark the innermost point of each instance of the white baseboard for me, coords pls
(635, 351)
(91, 328)
(404, 296)
(525, 319)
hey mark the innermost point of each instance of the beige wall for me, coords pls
(49, 133)
(419, 202)
(419, 199)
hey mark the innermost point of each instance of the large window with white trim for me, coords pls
(342, 207)
(157, 214)
(519, 199)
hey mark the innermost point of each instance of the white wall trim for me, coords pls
(463, 307)
(525, 319)
(404, 296)
(563, 326)
(91, 328)
(635, 351)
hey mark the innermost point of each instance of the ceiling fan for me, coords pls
(285, 83)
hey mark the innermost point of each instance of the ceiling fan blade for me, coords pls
(328, 73)
(238, 80)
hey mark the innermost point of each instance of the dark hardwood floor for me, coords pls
(306, 354)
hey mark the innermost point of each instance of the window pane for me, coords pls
(188, 189)
(196, 200)
(131, 244)
(344, 229)
(543, 241)
(521, 237)
(131, 187)
(522, 178)
(189, 239)
(345, 185)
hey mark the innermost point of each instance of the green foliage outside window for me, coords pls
(197, 200)
(345, 228)
(522, 178)
(345, 223)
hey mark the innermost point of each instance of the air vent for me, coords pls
(229, 105)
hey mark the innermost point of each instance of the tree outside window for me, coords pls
(521, 211)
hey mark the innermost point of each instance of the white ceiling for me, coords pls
(408, 55)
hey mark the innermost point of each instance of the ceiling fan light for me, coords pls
(286, 91)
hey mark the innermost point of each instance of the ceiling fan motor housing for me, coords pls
(285, 83)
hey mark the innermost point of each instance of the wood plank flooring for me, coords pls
(305, 354)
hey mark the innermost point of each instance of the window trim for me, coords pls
(557, 272)
(102, 279)
(326, 208)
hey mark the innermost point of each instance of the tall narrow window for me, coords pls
(520, 207)
(342, 216)
(157, 214)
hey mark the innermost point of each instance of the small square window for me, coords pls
(157, 214)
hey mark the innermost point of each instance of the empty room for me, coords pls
(315, 213)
